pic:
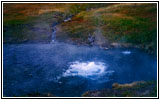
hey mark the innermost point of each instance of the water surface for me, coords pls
(70, 70)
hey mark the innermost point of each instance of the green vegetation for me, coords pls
(122, 23)
(31, 22)
(31, 28)
(77, 8)
(135, 89)
(116, 23)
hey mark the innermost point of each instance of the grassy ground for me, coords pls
(121, 23)
(135, 89)
(31, 22)
(34, 22)
(135, 24)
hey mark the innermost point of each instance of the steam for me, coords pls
(85, 69)
(91, 70)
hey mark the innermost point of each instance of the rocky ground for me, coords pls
(135, 89)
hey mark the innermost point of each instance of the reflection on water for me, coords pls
(126, 52)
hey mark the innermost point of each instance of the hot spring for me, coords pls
(69, 70)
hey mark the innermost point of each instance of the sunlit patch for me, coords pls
(86, 69)
(126, 52)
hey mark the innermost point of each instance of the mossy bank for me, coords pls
(135, 89)
(112, 25)
(122, 25)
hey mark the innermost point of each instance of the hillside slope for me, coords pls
(112, 25)
(33, 22)
(132, 25)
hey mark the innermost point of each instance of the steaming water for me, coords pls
(69, 70)
(85, 69)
